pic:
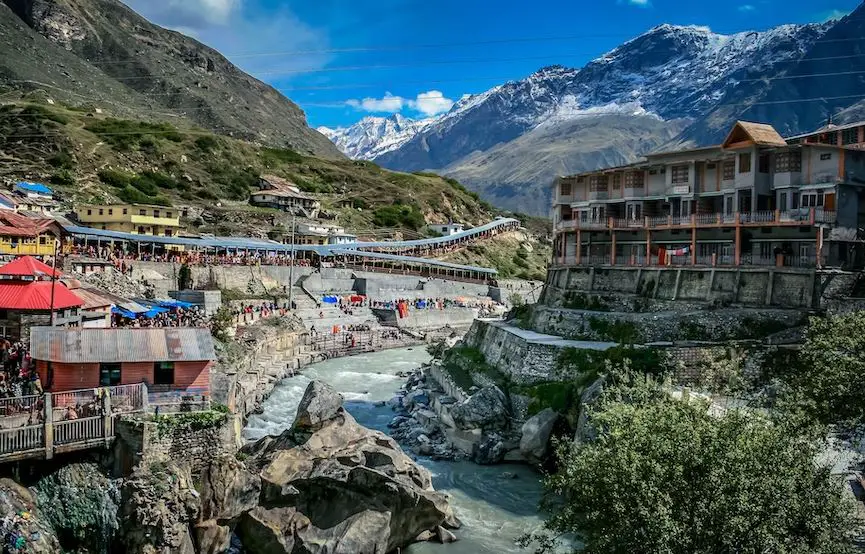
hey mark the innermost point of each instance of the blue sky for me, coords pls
(341, 60)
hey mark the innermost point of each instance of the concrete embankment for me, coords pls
(428, 320)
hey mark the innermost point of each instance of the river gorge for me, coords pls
(494, 506)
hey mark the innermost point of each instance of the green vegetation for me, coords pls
(579, 301)
(663, 475)
(398, 215)
(125, 134)
(464, 361)
(622, 332)
(169, 424)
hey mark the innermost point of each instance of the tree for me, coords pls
(665, 476)
(825, 382)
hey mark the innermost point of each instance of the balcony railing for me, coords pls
(800, 216)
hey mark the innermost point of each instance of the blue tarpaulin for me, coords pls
(154, 311)
(174, 304)
(330, 299)
(34, 187)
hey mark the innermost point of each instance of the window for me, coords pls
(729, 170)
(140, 230)
(598, 183)
(634, 179)
(680, 174)
(109, 375)
(783, 202)
(825, 157)
(142, 212)
(813, 200)
(110, 211)
(168, 232)
(89, 212)
(828, 138)
(663, 171)
(850, 136)
(617, 180)
(711, 166)
(43, 240)
(580, 179)
(745, 163)
(565, 189)
(763, 164)
(653, 172)
(125, 211)
(163, 373)
(167, 214)
(155, 213)
(728, 205)
(100, 211)
(787, 162)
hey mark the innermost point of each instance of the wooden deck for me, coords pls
(37, 426)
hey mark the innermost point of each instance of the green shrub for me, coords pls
(274, 157)
(399, 215)
(61, 160)
(132, 195)
(114, 178)
(623, 332)
(206, 143)
(41, 112)
(63, 177)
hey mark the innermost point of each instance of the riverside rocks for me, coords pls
(22, 526)
(330, 485)
(536, 434)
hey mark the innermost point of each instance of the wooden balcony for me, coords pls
(777, 218)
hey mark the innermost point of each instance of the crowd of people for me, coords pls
(19, 377)
(192, 316)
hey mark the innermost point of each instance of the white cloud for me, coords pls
(746, 8)
(832, 15)
(192, 14)
(432, 103)
(429, 103)
(389, 103)
(640, 3)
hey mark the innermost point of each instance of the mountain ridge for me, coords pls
(143, 71)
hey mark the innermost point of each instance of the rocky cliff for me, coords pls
(100, 53)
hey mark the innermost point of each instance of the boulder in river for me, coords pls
(330, 485)
(536, 434)
(486, 409)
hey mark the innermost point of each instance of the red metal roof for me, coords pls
(16, 225)
(27, 266)
(36, 296)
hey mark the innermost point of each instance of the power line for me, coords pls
(343, 103)
(209, 131)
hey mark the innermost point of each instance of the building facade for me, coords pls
(446, 229)
(167, 359)
(755, 199)
(21, 235)
(138, 219)
(280, 194)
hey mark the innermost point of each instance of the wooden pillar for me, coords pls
(737, 254)
(693, 239)
(48, 431)
(648, 246)
(107, 431)
(579, 247)
(613, 248)
(819, 247)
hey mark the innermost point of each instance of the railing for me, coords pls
(22, 439)
(128, 398)
(18, 404)
(79, 430)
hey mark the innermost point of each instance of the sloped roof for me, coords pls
(95, 345)
(18, 225)
(28, 266)
(34, 187)
(36, 296)
(761, 134)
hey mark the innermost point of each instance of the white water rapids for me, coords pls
(493, 510)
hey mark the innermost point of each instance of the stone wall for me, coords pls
(209, 300)
(187, 444)
(427, 320)
(778, 287)
(697, 324)
(521, 360)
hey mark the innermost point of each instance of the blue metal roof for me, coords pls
(412, 259)
(34, 187)
(321, 250)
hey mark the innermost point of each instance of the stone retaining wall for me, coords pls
(778, 287)
(427, 320)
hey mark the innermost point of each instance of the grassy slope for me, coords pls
(514, 255)
(93, 158)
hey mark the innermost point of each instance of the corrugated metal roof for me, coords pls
(410, 259)
(28, 266)
(35, 296)
(151, 344)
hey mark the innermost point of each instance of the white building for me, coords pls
(446, 229)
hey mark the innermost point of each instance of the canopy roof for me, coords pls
(28, 266)
(36, 296)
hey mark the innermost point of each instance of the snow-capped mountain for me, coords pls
(373, 136)
(676, 75)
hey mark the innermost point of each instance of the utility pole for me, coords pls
(53, 278)
(291, 267)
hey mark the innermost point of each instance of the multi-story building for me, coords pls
(754, 199)
(281, 194)
(138, 219)
(23, 235)
(319, 234)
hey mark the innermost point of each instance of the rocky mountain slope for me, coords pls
(101, 54)
(671, 72)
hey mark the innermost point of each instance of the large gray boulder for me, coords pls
(228, 490)
(329, 485)
(585, 432)
(536, 431)
(486, 409)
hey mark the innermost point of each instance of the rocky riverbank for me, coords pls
(480, 427)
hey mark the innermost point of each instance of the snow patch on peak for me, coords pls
(373, 136)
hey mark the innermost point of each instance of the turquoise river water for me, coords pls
(494, 510)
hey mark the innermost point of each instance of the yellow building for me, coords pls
(20, 235)
(138, 219)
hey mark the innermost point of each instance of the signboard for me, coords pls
(681, 189)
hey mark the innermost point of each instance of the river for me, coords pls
(494, 510)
